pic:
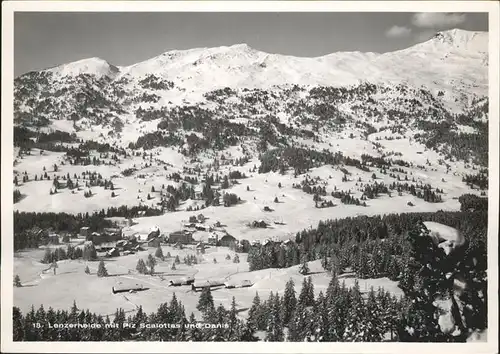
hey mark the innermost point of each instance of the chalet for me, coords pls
(270, 243)
(213, 239)
(142, 237)
(182, 281)
(99, 238)
(155, 242)
(105, 246)
(155, 232)
(199, 285)
(200, 245)
(37, 233)
(259, 223)
(201, 227)
(227, 241)
(231, 284)
(198, 195)
(122, 243)
(137, 248)
(127, 288)
(53, 239)
(113, 232)
(113, 252)
(182, 237)
(85, 231)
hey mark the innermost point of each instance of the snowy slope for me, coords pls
(464, 53)
(91, 66)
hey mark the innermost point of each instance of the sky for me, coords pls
(47, 39)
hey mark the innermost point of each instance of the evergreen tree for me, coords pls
(47, 256)
(274, 330)
(89, 251)
(194, 333)
(373, 319)
(306, 296)
(356, 325)
(18, 326)
(206, 300)
(54, 265)
(298, 328)
(289, 302)
(304, 293)
(304, 268)
(101, 270)
(321, 322)
(17, 281)
(420, 321)
(159, 253)
(233, 335)
(254, 319)
(141, 266)
(310, 292)
(151, 263)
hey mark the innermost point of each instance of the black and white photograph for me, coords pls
(280, 174)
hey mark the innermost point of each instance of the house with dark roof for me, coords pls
(183, 237)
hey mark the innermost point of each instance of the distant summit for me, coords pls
(94, 66)
(453, 61)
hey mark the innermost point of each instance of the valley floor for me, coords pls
(94, 293)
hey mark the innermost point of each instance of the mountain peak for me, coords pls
(94, 65)
(241, 46)
(462, 39)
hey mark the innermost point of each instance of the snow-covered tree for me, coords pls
(289, 302)
(141, 266)
(159, 252)
(101, 270)
(151, 263)
(206, 300)
(356, 317)
(17, 281)
(298, 328)
(274, 330)
(304, 268)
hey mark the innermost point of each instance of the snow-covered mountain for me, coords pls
(449, 59)
(92, 66)
(433, 81)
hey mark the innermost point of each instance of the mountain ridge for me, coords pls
(457, 37)
(197, 88)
